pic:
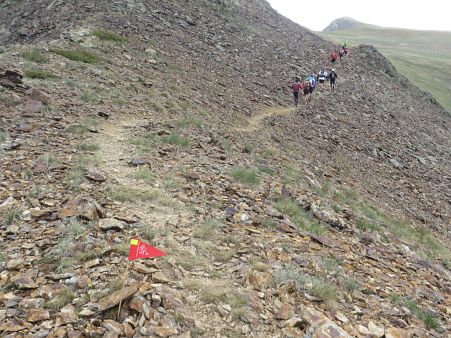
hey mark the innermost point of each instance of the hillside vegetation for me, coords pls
(424, 57)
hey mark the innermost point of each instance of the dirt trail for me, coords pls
(115, 152)
(254, 122)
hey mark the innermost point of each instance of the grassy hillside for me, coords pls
(422, 56)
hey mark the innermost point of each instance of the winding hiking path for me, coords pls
(254, 122)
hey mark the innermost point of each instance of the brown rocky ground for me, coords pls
(330, 220)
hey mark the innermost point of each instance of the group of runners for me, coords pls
(309, 85)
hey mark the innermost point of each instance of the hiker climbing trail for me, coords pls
(254, 122)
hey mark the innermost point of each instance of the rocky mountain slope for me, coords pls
(171, 120)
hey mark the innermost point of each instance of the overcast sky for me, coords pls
(414, 14)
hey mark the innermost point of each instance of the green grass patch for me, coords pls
(351, 285)
(248, 148)
(49, 159)
(269, 223)
(208, 229)
(176, 140)
(324, 290)
(35, 56)
(107, 35)
(366, 225)
(4, 136)
(266, 170)
(89, 97)
(293, 210)
(83, 126)
(39, 74)
(126, 194)
(79, 55)
(144, 174)
(188, 122)
(87, 146)
(246, 175)
(429, 321)
(330, 264)
(145, 143)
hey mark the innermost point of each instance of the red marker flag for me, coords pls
(140, 249)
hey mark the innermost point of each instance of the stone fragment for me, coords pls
(375, 331)
(67, 315)
(33, 107)
(111, 224)
(285, 312)
(330, 330)
(38, 95)
(164, 331)
(392, 332)
(83, 207)
(112, 300)
(113, 326)
(37, 315)
(95, 175)
(159, 277)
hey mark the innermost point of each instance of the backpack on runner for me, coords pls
(295, 87)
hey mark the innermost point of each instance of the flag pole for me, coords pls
(127, 272)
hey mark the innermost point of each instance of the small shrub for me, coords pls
(87, 255)
(78, 55)
(289, 274)
(62, 298)
(39, 74)
(107, 35)
(193, 284)
(238, 303)
(213, 294)
(255, 264)
(207, 229)
(246, 175)
(248, 148)
(351, 285)
(11, 216)
(324, 291)
(115, 284)
(330, 264)
(122, 248)
(35, 56)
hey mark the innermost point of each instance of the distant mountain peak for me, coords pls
(342, 23)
